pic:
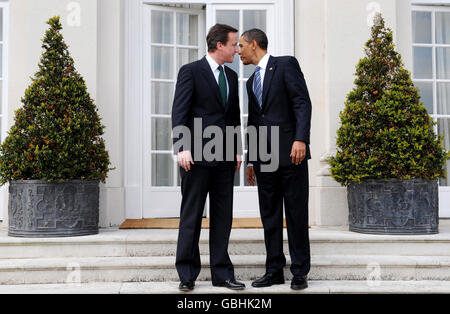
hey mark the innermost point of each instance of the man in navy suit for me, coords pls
(207, 96)
(278, 97)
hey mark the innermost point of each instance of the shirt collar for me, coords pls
(264, 61)
(212, 63)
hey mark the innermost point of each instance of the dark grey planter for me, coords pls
(38, 209)
(394, 206)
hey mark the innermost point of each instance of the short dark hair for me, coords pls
(218, 33)
(257, 35)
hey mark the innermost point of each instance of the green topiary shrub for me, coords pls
(57, 133)
(385, 132)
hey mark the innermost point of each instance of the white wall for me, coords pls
(330, 39)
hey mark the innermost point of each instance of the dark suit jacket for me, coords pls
(197, 95)
(286, 103)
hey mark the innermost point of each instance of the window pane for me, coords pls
(1, 60)
(187, 29)
(237, 178)
(162, 27)
(443, 63)
(423, 63)
(162, 97)
(1, 24)
(245, 99)
(255, 19)
(229, 17)
(162, 63)
(443, 27)
(235, 65)
(421, 27)
(162, 170)
(185, 56)
(426, 92)
(444, 129)
(249, 70)
(443, 98)
(161, 134)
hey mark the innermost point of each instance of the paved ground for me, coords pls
(315, 287)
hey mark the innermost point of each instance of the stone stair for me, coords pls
(148, 256)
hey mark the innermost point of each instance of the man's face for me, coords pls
(245, 51)
(230, 49)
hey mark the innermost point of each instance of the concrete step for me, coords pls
(203, 287)
(145, 243)
(247, 267)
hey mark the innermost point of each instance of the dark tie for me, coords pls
(223, 86)
(257, 86)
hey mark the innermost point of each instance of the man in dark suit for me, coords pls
(208, 91)
(278, 97)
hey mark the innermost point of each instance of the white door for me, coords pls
(244, 17)
(431, 73)
(172, 38)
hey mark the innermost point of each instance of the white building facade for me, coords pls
(129, 52)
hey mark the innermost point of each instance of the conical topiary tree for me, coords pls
(386, 131)
(57, 133)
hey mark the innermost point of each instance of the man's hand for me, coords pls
(298, 152)
(185, 160)
(239, 163)
(251, 175)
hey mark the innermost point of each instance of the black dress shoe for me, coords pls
(231, 284)
(269, 279)
(187, 286)
(299, 283)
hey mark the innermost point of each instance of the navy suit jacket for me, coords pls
(197, 95)
(286, 104)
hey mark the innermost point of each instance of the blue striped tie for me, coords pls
(257, 86)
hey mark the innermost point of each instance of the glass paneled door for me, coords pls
(244, 17)
(431, 74)
(172, 37)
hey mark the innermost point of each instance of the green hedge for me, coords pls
(57, 133)
(385, 132)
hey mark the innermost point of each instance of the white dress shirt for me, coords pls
(215, 69)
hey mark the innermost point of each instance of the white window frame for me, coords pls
(4, 82)
(444, 201)
(148, 116)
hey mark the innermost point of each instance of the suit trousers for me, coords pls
(218, 181)
(291, 185)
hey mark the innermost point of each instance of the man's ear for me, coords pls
(254, 44)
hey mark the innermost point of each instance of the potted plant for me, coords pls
(54, 157)
(388, 154)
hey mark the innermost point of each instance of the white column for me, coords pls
(133, 68)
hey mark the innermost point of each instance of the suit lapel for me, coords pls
(268, 79)
(209, 76)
